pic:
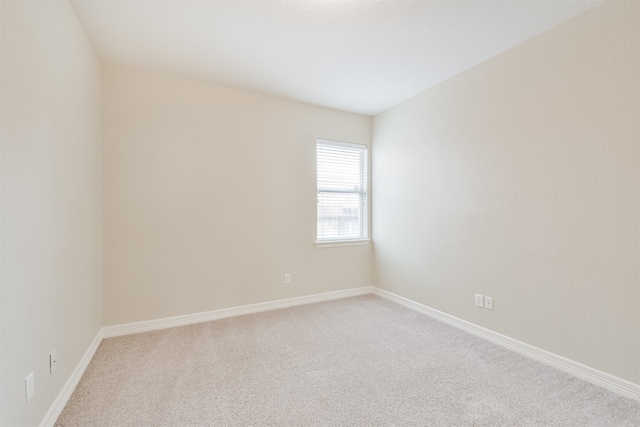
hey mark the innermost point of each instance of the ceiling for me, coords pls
(359, 56)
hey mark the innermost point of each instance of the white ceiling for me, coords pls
(360, 56)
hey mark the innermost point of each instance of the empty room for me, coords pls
(320, 213)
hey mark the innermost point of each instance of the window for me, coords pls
(342, 192)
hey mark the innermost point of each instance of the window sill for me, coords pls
(337, 243)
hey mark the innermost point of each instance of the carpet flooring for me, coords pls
(361, 361)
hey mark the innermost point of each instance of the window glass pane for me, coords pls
(339, 216)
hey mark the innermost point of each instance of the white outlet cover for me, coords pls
(29, 386)
(488, 303)
(287, 278)
(479, 301)
(52, 361)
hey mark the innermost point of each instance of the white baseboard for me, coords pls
(188, 319)
(58, 405)
(617, 385)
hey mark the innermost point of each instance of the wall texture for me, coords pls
(519, 179)
(209, 197)
(51, 202)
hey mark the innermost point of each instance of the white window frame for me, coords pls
(362, 190)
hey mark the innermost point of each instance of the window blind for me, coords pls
(342, 191)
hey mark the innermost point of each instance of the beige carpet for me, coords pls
(360, 361)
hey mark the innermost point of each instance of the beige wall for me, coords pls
(51, 207)
(519, 179)
(209, 197)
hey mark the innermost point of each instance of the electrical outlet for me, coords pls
(52, 362)
(488, 303)
(287, 279)
(29, 386)
(479, 301)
